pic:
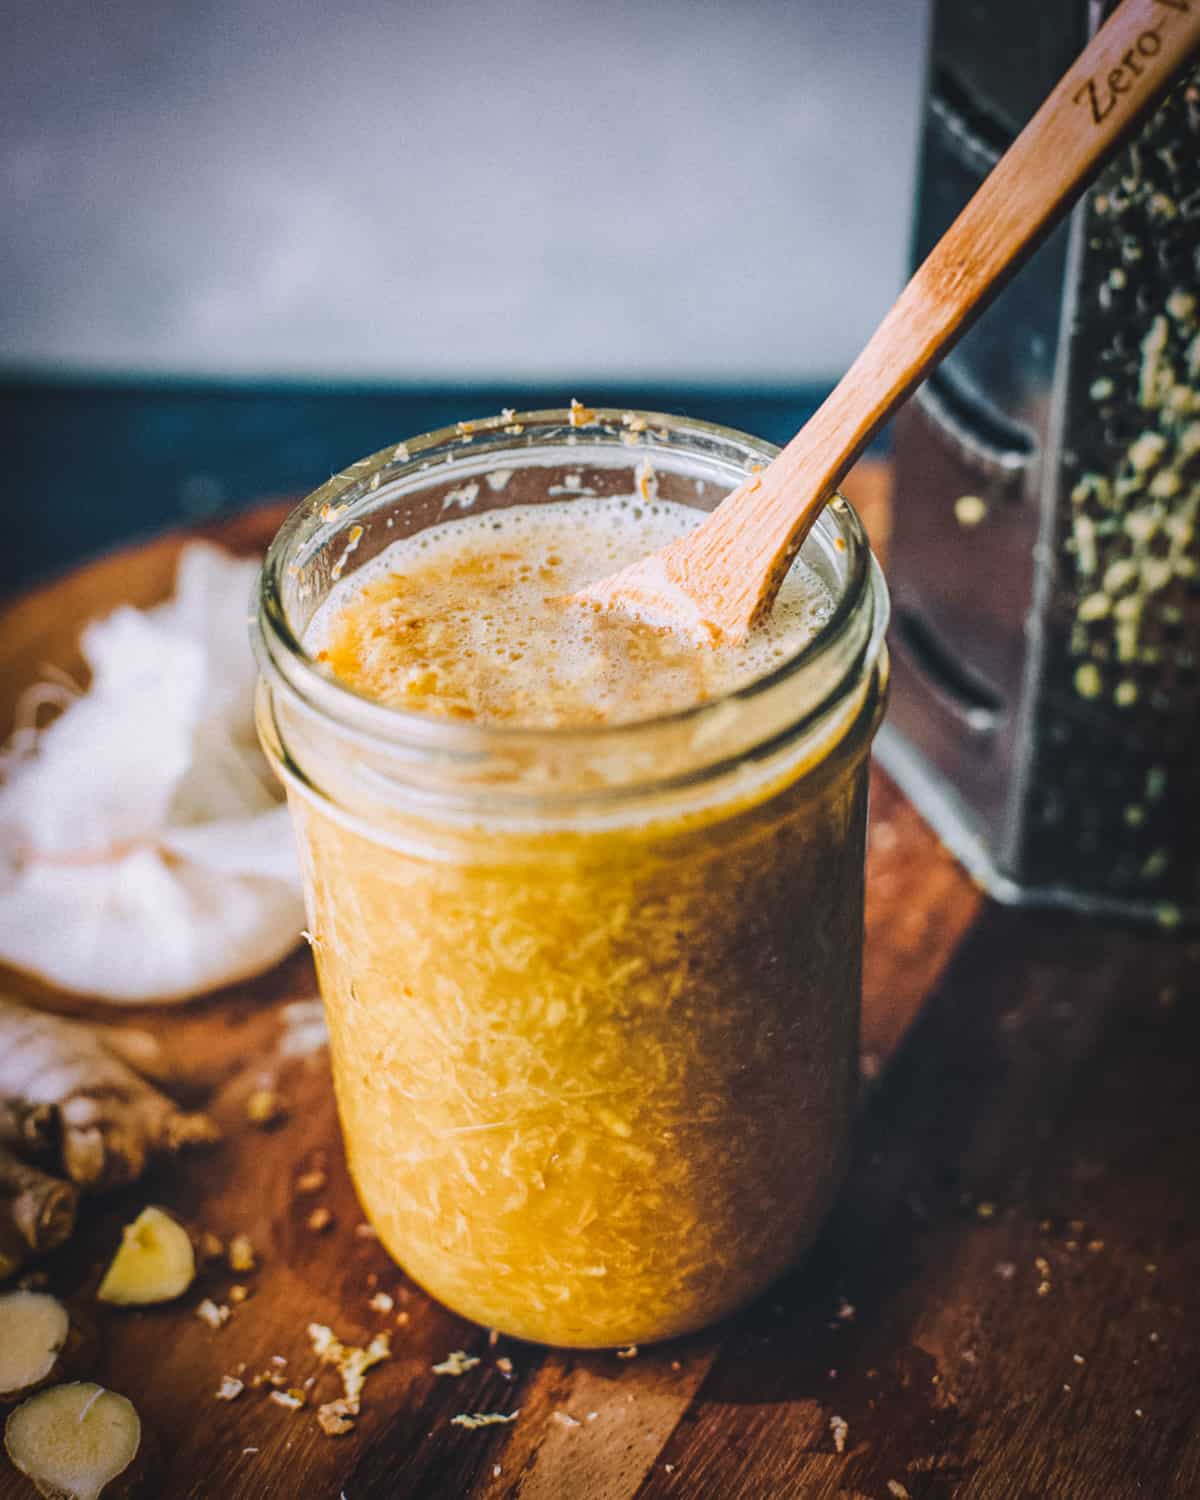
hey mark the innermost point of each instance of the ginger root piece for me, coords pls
(13, 1250)
(28, 1126)
(39, 1207)
(110, 1121)
(78, 1442)
(143, 1051)
(66, 1097)
(155, 1262)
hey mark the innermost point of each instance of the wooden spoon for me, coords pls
(722, 578)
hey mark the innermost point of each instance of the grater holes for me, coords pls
(1125, 871)
(1147, 299)
(1121, 426)
(1172, 631)
(1172, 253)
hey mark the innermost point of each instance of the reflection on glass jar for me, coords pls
(592, 993)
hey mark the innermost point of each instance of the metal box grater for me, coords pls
(1045, 561)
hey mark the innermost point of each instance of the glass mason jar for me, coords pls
(593, 994)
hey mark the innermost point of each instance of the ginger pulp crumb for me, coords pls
(458, 1362)
(208, 1311)
(319, 1220)
(484, 1418)
(211, 1247)
(241, 1253)
(355, 536)
(265, 1107)
(351, 1363)
(230, 1388)
(647, 481)
(336, 1418)
(840, 1429)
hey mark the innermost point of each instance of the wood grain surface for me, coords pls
(1002, 1304)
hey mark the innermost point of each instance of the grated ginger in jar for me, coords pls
(595, 1082)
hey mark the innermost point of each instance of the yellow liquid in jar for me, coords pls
(595, 1084)
(472, 620)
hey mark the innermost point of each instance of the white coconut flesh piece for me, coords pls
(145, 854)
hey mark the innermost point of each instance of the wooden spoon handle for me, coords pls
(1127, 65)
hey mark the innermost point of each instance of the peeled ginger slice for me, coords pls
(155, 1262)
(73, 1440)
(33, 1329)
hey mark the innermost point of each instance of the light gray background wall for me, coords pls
(680, 188)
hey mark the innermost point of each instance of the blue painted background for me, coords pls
(90, 464)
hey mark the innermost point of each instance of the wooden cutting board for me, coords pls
(1041, 1114)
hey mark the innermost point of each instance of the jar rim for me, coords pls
(446, 451)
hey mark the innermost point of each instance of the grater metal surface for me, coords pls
(1046, 553)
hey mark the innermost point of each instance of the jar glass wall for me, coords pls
(592, 993)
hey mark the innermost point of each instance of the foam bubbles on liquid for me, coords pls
(471, 619)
